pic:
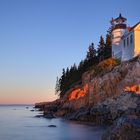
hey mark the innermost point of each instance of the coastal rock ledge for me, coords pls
(125, 128)
(111, 97)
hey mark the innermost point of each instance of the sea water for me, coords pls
(20, 123)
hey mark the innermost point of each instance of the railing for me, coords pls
(119, 26)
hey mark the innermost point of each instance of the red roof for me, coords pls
(131, 28)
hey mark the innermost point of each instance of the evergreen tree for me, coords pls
(100, 50)
(91, 53)
(108, 46)
(72, 75)
(67, 72)
(108, 41)
(57, 86)
(62, 83)
(80, 66)
(74, 67)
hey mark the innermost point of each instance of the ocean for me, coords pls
(20, 123)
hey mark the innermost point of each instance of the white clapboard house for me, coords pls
(125, 40)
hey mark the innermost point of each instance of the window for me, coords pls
(127, 41)
(131, 39)
(124, 42)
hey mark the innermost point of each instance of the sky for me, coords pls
(38, 38)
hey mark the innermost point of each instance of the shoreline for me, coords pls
(111, 97)
(117, 122)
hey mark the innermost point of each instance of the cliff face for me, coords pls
(109, 83)
(125, 77)
(104, 81)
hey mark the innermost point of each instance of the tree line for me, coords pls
(71, 76)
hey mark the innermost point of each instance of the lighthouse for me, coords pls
(118, 28)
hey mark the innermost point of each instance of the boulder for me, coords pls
(51, 125)
(80, 114)
(125, 128)
(49, 116)
(108, 111)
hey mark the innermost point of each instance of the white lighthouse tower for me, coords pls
(118, 29)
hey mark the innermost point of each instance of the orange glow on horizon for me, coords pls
(25, 100)
(78, 93)
(26, 96)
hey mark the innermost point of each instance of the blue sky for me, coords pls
(40, 37)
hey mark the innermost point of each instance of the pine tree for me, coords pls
(67, 72)
(91, 53)
(100, 50)
(62, 83)
(80, 66)
(72, 75)
(108, 46)
(57, 86)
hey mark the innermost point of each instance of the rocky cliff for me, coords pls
(110, 91)
(98, 85)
